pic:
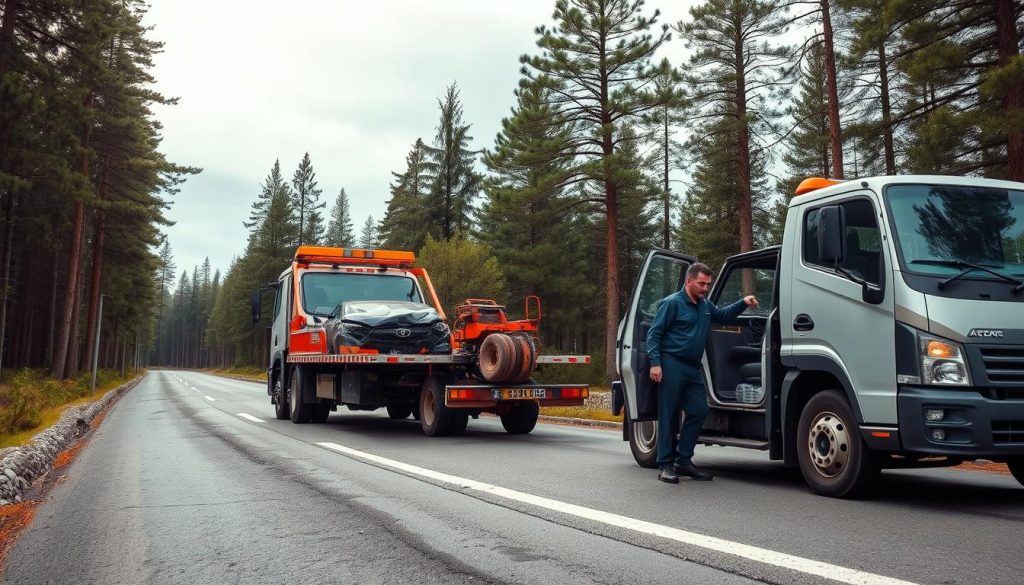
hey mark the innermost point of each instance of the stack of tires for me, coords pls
(507, 358)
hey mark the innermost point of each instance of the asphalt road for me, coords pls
(190, 479)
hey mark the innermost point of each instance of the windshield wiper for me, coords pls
(967, 268)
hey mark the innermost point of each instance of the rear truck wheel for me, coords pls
(833, 458)
(298, 386)
(1017, 469)
(437, 419)
(643, 441)
(399, 411)
(521, 418)
(280, 398)
(320, 412)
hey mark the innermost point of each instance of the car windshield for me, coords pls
(322, 291)
(943, 229)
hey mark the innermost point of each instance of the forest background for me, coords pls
(583, 178)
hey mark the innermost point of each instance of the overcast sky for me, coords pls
(352, 83)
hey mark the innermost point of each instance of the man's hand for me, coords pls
(656, 373)
(750, 300)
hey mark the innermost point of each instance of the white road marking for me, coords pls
(210, 398)
(194, 388)
(761, 555)
(250, 417)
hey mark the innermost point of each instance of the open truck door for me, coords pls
(663, 273)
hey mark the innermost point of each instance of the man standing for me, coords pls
(675, 345)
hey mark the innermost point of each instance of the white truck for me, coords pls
(890, 333)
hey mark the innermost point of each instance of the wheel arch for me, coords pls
(812, 375)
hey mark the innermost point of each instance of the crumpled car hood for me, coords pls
(386, 313)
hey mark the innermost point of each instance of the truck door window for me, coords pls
(664, 276)
(741, 282)
(862, 254)
(277, 300)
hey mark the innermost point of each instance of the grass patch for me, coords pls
(587, 412)
(30, 402)
(251, 373)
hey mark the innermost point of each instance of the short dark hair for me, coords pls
(698, 268)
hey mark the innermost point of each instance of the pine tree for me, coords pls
(808, 151)
(450, 162)
(595, 67)
(306, 203)
(529, 219)
(736, 80)
(405, 225)
(339, 230)
(368, 238)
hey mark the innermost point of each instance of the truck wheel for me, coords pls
(437, 419)
(280, 398)
(1017, 469)
(399, 411)
(833, 458)
(643, 441)
(320, 412)
(521, 418)
(297, 387)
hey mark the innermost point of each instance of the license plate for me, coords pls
(519, 393)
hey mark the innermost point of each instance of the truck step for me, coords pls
(733, 442)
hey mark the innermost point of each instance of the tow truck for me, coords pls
(338, 338)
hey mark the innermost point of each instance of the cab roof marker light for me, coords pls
(813, 184)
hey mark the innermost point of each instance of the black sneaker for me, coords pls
(667, 475)
(690, 470)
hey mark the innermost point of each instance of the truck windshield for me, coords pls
(943, 229)
(322, 291)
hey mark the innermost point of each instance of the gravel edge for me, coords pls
(20, 466)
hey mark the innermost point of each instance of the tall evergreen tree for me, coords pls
(455, 183)
(808, 152)
(306, 203)
(368, 239)
(595, 67)
(736, 74)
(339, 230)
(405, 224)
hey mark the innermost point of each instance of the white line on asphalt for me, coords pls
(250, 417)
(761, 555)
(210, 398)
(194, 388)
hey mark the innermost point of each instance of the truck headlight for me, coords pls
(942, 362)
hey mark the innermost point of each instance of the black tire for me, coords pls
(1017, 469)
(399, 411)
(437, 419)
(833, 457)
(280, 398)
(298, 387)
(521, 418)
(320, 412)
(643, 441)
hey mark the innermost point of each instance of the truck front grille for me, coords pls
(1007, 432)
(1003, 364)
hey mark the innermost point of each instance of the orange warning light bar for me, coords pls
(328, 255)
(813, 184)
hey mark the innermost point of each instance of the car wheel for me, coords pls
(643, 441)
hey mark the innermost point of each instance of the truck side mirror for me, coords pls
(256, 306)
(831, 231)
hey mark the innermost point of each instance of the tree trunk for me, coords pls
(1013, 101)
(835, 132)
(74, 346)
(64, 337)
(52, 319)
(5, 278)
(666, 234)
(96, 279)
(887, 129)
(746, 219)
